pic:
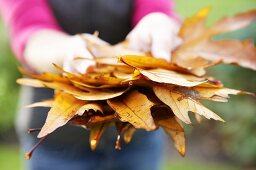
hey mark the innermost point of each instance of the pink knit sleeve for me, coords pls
(23, 18)
(144, 7)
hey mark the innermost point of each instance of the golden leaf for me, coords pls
(96, 133)
(147, 62)
(128, 133)
(64, 108)
(181, 105)
(172, 77)
(89, 94)
(175, 131)
(90, 106)
(135, 109)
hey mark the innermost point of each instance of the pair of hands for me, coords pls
(155, 33)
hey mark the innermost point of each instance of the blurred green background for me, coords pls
(210, 145)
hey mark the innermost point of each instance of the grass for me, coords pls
(9, 157)
(10, 160)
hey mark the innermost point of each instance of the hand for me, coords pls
(46, 47)
(155, 33)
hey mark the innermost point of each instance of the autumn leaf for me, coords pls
(135, 109)
(128, 133)
(96, 133)
(45, 103)
(198, 43)
(176, 133)
(172, 77)
(147, 62)
(209, 93)
(44, 76)
(181, 105)
(64, 108)
(89, 94)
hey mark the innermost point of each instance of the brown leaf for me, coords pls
(64, 108)
(181, 105)
(179, 140)
(198, 44)
(135, 109)
(237, 22)
(170, 124)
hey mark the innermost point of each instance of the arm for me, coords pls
(143, 7)
(156, 28)
(37, 39)
(24, 18)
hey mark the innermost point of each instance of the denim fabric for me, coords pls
(143, 153)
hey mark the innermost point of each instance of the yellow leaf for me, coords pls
(147, 62)
(172, 77)
(175, 131)
(44, 76)
(179, 140)
(64, 108)
(96, 133)
(135, 109)
(85, 94)
(90, 106)
(181, 105)
(128, 134)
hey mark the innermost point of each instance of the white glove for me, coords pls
(46, 47)
(155, 33)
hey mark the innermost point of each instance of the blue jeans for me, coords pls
(64, 151)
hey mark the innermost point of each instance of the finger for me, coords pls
(81, 66)
(139, 41)
(161, 47)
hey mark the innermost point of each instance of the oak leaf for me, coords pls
(64, 108)
(135, 109)
(181, 105)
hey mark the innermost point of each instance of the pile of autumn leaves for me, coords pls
(141, 92)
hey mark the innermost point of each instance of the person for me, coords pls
(44, 32)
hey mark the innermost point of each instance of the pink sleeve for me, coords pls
(23, 18)
(144, 7)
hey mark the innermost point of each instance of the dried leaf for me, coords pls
(198, 43)
(179, 140)
(135, 109)
(128, 133)
(64, 108)
(89, 95)
(96, 133)
(90, 106)
(172, 77)
(181, 105)
(170, 124)
(147, 62)
(44, 76)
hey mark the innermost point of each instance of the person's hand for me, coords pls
(46, 47)
(155, 33)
